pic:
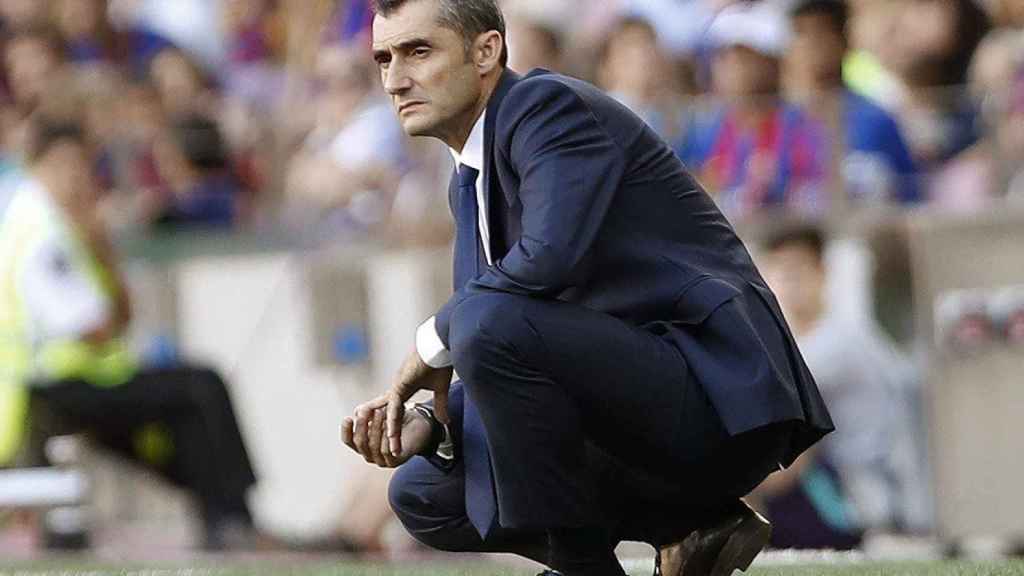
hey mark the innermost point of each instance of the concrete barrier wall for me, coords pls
(270, 322)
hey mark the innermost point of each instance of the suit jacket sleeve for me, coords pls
(569, 170)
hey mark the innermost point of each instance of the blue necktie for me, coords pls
(481, 506)
(467, 230)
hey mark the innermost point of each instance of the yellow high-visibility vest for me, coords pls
(30, 219)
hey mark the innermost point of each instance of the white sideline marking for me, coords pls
(769, 558)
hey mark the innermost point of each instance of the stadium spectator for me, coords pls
(363, 523)
(351, 160)
(533, 43)
(750, 146)
(253, 34)
(183, 86)
(31, 58)
(83, 25)
(63, 339)
(633, 69)
(19, 15)
(992, 167)
(195, 26)
(1008, 13)
(194, 163)
(126, 120)
(876, 164)
(929, 48)
(863, 477)
(680, 25)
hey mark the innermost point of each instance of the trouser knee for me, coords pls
(421, 515)
(488, 328)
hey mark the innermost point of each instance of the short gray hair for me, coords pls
(470, 18)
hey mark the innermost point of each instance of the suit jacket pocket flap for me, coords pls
(697, 301)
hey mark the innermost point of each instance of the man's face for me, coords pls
(739, 72)
(77, 18)
(30, 65)
(817, 49)
(797, 277)
(633, 63)
(23, 13)
(424, 68)
(69, 168)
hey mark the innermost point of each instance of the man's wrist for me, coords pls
(440, 443)
(423, 417)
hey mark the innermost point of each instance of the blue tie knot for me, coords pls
(467, 176)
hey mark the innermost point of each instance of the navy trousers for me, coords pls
(590, 421)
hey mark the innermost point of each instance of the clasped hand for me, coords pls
(382, 431)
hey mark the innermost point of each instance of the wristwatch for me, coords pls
(441, 442)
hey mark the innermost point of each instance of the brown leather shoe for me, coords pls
(731, 544)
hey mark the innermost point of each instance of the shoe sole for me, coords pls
(743, 545)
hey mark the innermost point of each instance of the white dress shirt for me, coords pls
(428, 343)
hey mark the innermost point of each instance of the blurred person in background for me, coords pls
(633, 69)
(1007, 13)
(253, 87)
(66, 309)
(756, 150)
(992, 168)
(32, 56)
(83, 25)
(928, 46)
(194, 26)
(195, 165)
(681, 26)
(533, 43)
(127, 121)
(868, 476)
(350, 163)
(870, 27)
(182, 85)
(363, 523)
(876, 165)
(253, 30)
(18, 15)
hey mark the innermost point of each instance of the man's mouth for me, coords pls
(408, 105)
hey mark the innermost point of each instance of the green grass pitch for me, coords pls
(1007, 568)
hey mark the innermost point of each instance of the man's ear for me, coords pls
(487, 51)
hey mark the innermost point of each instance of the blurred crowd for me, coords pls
(267, 114)
(815, 107)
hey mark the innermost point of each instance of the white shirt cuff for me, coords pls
(429, 345)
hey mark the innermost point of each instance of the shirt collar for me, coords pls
(473, 152)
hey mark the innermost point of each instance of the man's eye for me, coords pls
(421, 52)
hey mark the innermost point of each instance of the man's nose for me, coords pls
(396, 80)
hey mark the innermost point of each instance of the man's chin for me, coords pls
(417, 127)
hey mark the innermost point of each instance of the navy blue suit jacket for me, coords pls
(586, 204)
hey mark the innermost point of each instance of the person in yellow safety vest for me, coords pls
(63, 311)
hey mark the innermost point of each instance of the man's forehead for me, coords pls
(383, 42)
(415, 19)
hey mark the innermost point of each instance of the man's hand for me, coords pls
(370, 440)
(381, 431)
(413, 376)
